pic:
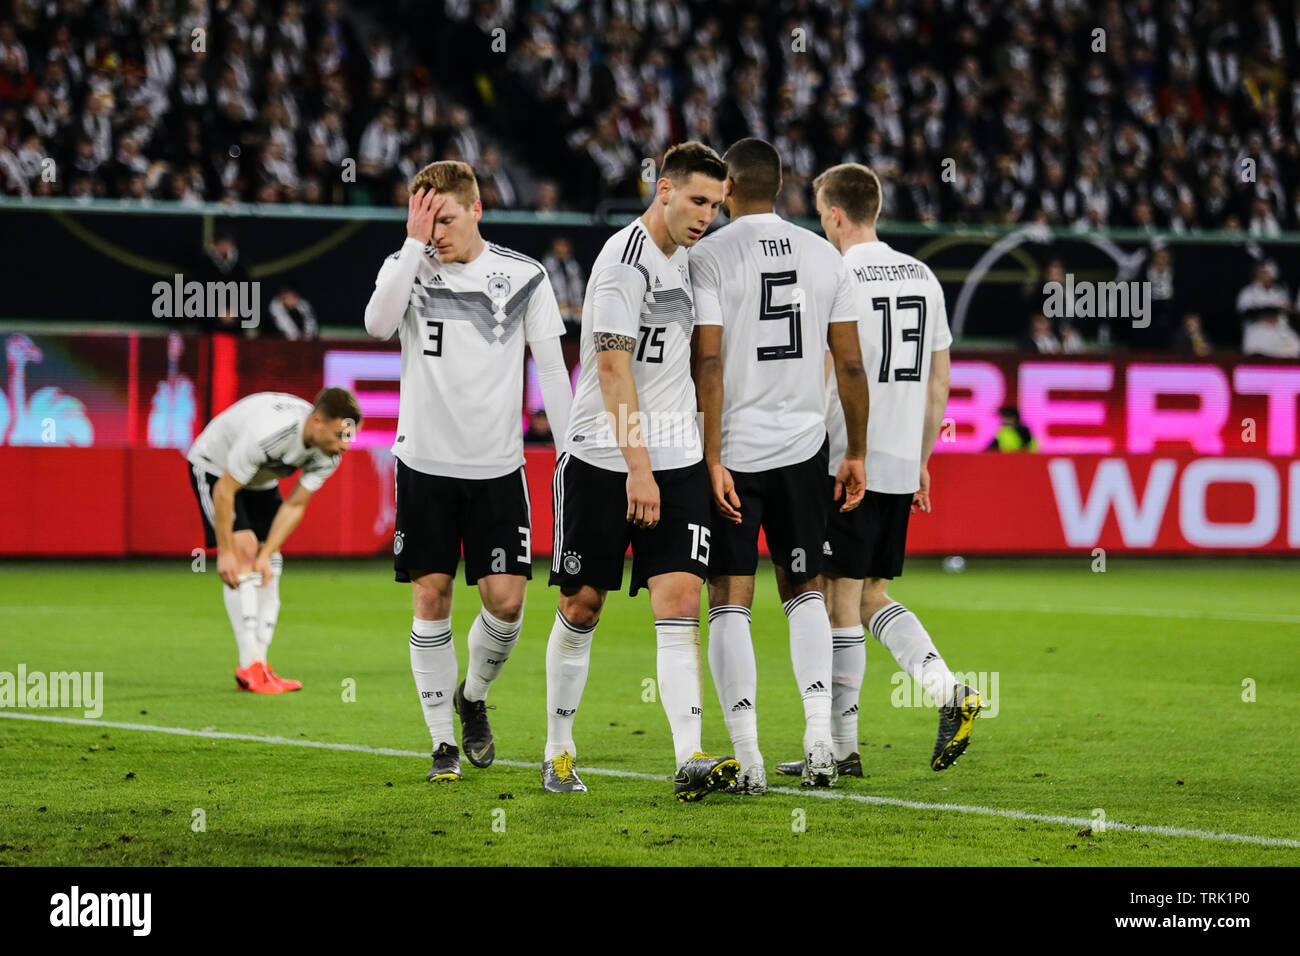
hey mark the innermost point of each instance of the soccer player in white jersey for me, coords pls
(464, 309)
(903, 326)
(632, 472)
(235, 465)
(770, 297)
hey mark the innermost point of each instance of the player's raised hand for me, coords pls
(724, 493)
(421, 213)
(642, 499)
(851, 483)
(921, 498)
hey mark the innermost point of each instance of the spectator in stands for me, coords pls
(1071, 340)
(539, 429)
(1012, 435)
(1262, 307)
(1039, 336)
(548, 197)
(1160, 273)
(1190, 338)
(220, 263)
(497, 188)
(291, 316)
(566, 279)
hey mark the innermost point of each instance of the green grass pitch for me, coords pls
(1120, 694)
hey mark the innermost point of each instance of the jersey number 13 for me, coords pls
(903, 303)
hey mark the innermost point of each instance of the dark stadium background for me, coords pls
(1145, 141)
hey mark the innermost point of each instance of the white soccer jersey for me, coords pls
(775, 288)
(902, 320)
(463, 331)
(635, 291)
(259, 440)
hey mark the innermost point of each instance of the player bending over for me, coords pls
(463, 308)
(632, 471)
(770, 297)
(903, 326)
(234, 468)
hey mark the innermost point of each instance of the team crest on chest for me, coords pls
(686, 276)
(498, 287)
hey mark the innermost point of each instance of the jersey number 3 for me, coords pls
(767, 312)
(903, 302)
(435, 338)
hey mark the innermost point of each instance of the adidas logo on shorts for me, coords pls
(744, 704)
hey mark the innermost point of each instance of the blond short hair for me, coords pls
(854, 188)
(448, 176)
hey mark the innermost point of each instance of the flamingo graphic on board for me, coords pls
(51, 417)
(171, 416)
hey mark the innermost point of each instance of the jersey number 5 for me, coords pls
(917, 335)
(767, 312)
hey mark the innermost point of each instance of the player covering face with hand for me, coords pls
(235, 465)
(632, 472)
(464, 309)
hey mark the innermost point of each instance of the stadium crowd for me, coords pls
(1154, 114)
(1160, 115)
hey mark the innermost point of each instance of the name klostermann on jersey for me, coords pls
(905, 270)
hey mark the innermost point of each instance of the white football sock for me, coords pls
(735, 674)
(901, 632)
(568, 655)
(679, 683)
(848, 664)
(268, 607)
(810, 655)
(433, 663)
(490, 644)
(241, 608)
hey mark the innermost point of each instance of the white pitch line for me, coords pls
(634, 775)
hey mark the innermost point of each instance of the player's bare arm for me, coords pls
(936, 403)
(706, 369)
(618, 389)
(286, 519)
(223, 504)
(851, 381)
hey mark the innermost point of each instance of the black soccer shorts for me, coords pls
(437, 515)
(592, 532)
(869, 541)
(254, 510)
(789, 503)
